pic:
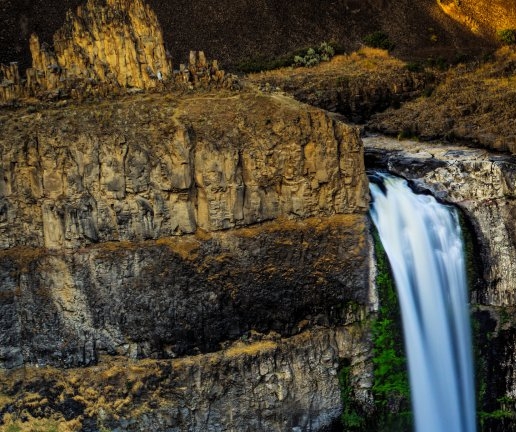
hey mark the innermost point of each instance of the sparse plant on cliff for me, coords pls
(351, 418)
(378, 39)
(313, 56)
(507, 36)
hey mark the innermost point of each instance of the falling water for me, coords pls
(423, 241)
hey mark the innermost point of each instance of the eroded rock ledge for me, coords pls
(167, 226)
(151, 167)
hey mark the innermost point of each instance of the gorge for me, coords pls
(187, 250)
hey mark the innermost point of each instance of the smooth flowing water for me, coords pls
(423, 242)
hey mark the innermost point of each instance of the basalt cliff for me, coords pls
(169, 226)
(187, 250)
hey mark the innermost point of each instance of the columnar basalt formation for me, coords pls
(162, 226)
(178, 167)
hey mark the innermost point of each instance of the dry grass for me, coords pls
(251, 350)
(473, 104)
(117, 387)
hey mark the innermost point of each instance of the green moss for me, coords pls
(352, 417)
(391, 394)
(391, 389)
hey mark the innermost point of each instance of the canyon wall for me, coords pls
(169, 227)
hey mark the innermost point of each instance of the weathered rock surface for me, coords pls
(145, 168)
(104, 46)
(167, 226)
(265, 384)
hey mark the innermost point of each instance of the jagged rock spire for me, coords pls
(114, 41)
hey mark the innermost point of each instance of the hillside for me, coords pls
(233, 31)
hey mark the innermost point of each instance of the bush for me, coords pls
(379, 39)
(507, 36)
(313, 56)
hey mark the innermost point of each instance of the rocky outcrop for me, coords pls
(104, 46)
(261, 384)
(79, 176)
(107, 47)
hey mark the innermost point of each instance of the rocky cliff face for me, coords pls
(167, 226)
(105, 46)
(148, 168)
(267, 384)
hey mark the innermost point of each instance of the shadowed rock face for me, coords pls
(233, 31)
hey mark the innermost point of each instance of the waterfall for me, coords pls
(423, 242)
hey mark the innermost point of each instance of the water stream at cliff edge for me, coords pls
(423, 242)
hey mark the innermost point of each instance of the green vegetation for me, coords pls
(391, 392)
(314, 56)
(507, 36)
(391, 386)
(352, 418)
(378, 39)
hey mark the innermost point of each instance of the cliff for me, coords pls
(169, 226)
(152, 167)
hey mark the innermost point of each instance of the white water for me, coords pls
(423, 241)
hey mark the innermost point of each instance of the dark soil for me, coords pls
(236, 31)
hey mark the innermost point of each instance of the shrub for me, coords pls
(313, 56)
(507, 36)
(379, 39)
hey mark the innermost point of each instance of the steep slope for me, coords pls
(237, 30)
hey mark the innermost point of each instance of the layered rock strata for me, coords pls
(167, 226)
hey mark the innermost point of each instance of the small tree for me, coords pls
(378, 39)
